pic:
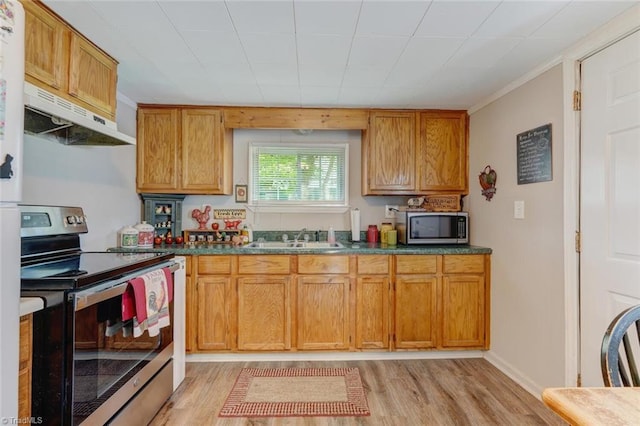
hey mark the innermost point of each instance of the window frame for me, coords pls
(281, 206)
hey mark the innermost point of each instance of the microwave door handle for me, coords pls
(86, 300)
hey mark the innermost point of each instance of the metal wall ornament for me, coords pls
(488, 180)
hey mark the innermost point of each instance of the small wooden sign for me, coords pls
(442, 203)
(229, 214)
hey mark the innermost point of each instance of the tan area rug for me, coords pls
(296, 392)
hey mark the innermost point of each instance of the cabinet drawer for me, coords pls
(463, 263)
(416, 264)
(273, 264)
(373, 264)
(208, 265)
(308, 264)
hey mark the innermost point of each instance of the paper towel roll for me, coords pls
(355, 225)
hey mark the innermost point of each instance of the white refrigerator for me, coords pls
(11, 132)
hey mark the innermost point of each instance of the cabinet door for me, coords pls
(442, 152)
(416, 311)
(46, 59)
(25, 367)
(157, 150)
(191, 325)
(323, 312)
(214, 313)
(206, 153)
(92, 76)
(463, 311)
(372, 312)
(389, 154)
(264, 313)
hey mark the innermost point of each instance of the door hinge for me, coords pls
(579, 380)
(577, 100)
(578, 242)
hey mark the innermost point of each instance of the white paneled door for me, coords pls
(609, 195)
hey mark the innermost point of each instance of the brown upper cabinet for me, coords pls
(61, 60)
(413, 153)
(184, 151)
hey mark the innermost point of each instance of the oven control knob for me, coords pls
(71, 220)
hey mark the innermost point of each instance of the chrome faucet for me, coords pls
(297, 237)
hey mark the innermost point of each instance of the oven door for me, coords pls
(108, 364)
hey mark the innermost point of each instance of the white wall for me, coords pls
(371, 207)
(101, 180)
(527, 276)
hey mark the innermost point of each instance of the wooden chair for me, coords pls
(620, 347)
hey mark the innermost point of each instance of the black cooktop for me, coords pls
(85, 268)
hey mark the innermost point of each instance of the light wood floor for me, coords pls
(403, 392)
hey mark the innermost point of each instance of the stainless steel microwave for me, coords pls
(418, 227)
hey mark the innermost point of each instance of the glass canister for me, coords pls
(128, 237)
(386, 226)
(145, 234)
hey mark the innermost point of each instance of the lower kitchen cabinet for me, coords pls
(372, 302)
(25, 366)
(464, 302)
(215, 298)
(338, 302)
(264, 313)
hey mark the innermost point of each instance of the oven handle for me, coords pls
(85, 299)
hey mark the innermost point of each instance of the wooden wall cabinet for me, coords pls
(372, 302)
(415, 153)
(389, 153)
(183, 151)
(61, 60)
(442, 152)
(25, 366)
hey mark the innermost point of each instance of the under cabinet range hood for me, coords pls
(50, 116)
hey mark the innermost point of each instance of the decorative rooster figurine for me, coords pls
(202, 217)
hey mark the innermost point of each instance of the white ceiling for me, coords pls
(346, 53)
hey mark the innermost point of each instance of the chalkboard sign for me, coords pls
(534, 155)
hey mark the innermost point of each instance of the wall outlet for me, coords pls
(390, 211)
(518, 209)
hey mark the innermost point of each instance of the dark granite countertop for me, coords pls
(349, 248)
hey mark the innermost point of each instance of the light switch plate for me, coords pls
(518, 209)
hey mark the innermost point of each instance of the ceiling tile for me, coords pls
(319, 96)
(326, 17)
(320, 75)
(269, 48)
(362, 76)
(423, 52)
(519, 19)
(323, 49)
(455, 18)
(357, 96)
(374, 17)
(141, 15)
(376, 51)
(482, 52)
(276, 74)
(198, 15)
(231, 74)
(281, 95)
(582, 17)
(215, 47)
(244, 94)
(274, 17)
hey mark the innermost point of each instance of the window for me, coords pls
(299, 177)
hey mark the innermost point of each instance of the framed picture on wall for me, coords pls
(241, 193)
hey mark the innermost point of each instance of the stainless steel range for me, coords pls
(87, 367)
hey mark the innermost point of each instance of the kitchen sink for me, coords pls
(293, 245)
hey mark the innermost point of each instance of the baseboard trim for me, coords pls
(515, 374)
(330, 356)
